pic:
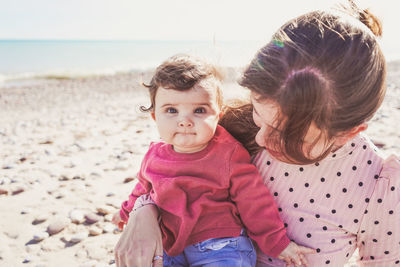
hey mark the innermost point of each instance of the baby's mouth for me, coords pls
(184, 133)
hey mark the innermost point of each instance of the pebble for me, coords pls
(64, 177)
(30, 258)
(92, 218)
(108, 228)
(114, 203)
(40, 236)
(77, 216)
(95, 174)
(15, 180)
(108, 217)
(379, 144)
(3, 191)
(39, 219)
(27, 259)
(94, 231)
(104, 210)
(57, 226)
(26, 211)
(7, 167)
(61, 194)
(110, 194)
(121, 167)
(17, 190)
(5, 181)
(79, 177)
(13, 234)
(76, 238)
(128, 179)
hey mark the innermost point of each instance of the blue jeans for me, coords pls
(216, 252)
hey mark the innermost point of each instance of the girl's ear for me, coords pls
(340, 141)
(153, 115)
(220, 115)
(356, 130)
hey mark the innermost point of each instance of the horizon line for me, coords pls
(127, 40)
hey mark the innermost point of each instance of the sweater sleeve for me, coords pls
(142, 187)
(128, 205)
(379, 234)
(256, 205)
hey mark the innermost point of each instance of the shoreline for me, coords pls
(27, 79)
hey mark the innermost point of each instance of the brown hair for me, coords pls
(182, 72)
(323, 68)
(237, 119)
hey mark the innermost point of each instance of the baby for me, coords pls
(211, 198)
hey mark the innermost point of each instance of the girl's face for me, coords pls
(265, 113)
(186, 119)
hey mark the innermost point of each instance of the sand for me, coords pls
(69, 153)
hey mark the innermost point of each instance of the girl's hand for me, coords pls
(141, 240)
(294, 254)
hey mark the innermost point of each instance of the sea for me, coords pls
(24, 61)
(29, 61)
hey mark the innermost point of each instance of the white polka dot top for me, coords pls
(350, 199)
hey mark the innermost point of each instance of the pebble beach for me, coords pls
(69, 151)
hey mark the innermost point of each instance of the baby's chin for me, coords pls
(188, 148)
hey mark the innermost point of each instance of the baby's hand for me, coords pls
(116, 219)
(294, 254)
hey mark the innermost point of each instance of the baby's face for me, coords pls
(186, 119)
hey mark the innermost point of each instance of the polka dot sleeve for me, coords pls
(379, 235)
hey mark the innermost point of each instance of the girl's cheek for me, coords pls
(316, 151)
(260, 138)
(255, 119)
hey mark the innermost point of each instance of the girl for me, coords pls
(314, 87)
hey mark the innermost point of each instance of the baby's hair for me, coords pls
(323, 68)
(182, 72)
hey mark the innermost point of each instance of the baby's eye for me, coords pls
(200, 110)
(171, 110)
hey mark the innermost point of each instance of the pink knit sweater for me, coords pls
(208, 194)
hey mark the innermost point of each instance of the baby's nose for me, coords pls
(185, 123)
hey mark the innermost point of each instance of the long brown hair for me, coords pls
(323, 68)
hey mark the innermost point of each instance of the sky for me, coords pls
(167, 19)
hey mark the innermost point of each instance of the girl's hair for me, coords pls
(182, 72)
(323, 68)
(237, 119)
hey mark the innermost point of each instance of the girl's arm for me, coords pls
(141, 239)
(379, 234)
